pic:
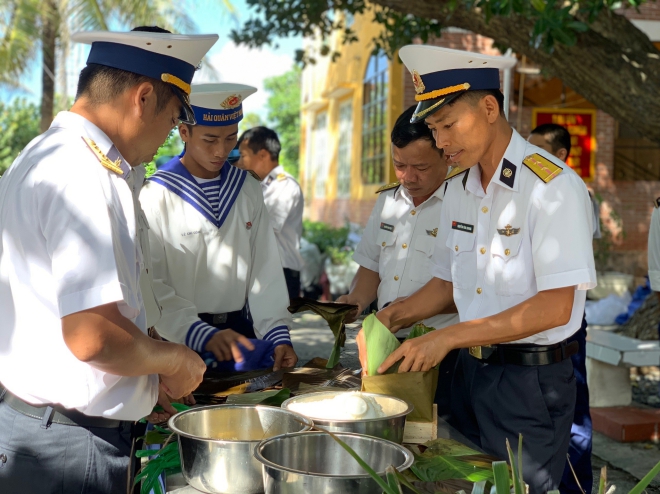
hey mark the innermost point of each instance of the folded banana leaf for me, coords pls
(379, 343)
(419, 329)
(334, 314)
(273, 398)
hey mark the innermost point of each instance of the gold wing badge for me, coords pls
(432, 233)
(113, 166)
(508, 230)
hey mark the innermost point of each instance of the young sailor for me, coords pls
(212, 246)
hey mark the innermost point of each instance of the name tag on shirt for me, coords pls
(385, 226)
(464, 227)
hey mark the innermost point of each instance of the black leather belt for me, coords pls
(521, 354)
(57, 414)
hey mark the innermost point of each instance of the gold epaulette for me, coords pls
(542, 167)
(254, 175)
(387, 187)
(457, 170)
(281, 176)
(113, 166)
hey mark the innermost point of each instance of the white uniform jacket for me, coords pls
(654, 248)
(285, 204)
(531, 230)
(69, 243)
(203, 263)
(398, 244)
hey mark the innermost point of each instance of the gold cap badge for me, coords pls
(417, 82)
(231, 102)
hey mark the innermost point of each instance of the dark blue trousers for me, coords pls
(579, 449)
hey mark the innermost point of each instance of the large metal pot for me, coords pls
(389, 427)
(217, 442)
(313, 462)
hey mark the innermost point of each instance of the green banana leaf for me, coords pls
(273, 398)
(334, 314)
(380, 342)
(419, 329)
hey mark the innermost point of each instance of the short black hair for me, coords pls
(101, 84)
(259, 138)
(557, 136)
(474, 97)
(404, 132)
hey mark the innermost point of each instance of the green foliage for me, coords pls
(249, 120)
(555, 21)
(171, 147)
(19, 124)
(284, 115)
(324, 235)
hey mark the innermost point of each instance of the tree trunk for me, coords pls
(50, 20)
(613, 65)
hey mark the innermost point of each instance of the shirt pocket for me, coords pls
(510, 273)
(463, 262)
(421, 262)
(387, 242)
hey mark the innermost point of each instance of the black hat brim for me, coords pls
(428, 107)
(187, 115)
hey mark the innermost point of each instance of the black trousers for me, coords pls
(292, 279)
(494, 402)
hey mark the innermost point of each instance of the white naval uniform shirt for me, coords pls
(69, 243)
(654, 248)
(550, 245)
(398, 244)
(285, 204)
(207, 263)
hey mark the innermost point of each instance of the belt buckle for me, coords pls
(477, 351)
(219, 318)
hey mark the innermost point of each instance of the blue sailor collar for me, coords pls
(177, 179)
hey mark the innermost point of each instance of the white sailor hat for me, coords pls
(221, 104)
(440, 75)
(171, 58)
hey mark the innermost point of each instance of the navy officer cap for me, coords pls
(440, 75)
(171, 58)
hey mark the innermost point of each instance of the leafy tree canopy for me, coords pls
(19, 121)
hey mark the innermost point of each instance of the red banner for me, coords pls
(581, 124)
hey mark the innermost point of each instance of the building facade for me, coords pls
(350, 105)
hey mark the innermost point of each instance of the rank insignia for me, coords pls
(417, 82)
(281, 176)
(508, 230)
(508, 173)
(432, 233)
(388, 187)
(248, 225)
(231, 102)
(542, 167)
(113, 166)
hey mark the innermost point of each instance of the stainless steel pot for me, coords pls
(314, 463)
(217, 442)
(389, 427)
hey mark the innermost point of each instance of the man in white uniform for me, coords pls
(75, 357)
(514, 253)
(395, 251)
(260, 152)
(212, 246)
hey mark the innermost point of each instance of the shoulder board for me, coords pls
(387, 187)
(455, 172)
(542, 167)
(254, 175)
(281, 176)
(113, 166)
(657, 203)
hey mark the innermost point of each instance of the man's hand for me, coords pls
(384, 315)
(419, 354)
(285, 357)
(166, 404)
(188, 372)
(224, 345)
(350, 299)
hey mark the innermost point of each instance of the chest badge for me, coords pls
(464, 227)
(508, 230)
(432, 233)
(248, 225)
(386, 227)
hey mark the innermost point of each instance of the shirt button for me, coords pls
(484, 209)
(383, 244)
(479, 291)
(413, 212)
(482, 250)
(405, 246)
(396, 278)
(456, 248)
(507, 252)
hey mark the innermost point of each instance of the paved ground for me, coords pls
(626, 463)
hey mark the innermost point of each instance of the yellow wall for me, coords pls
(326, 86)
